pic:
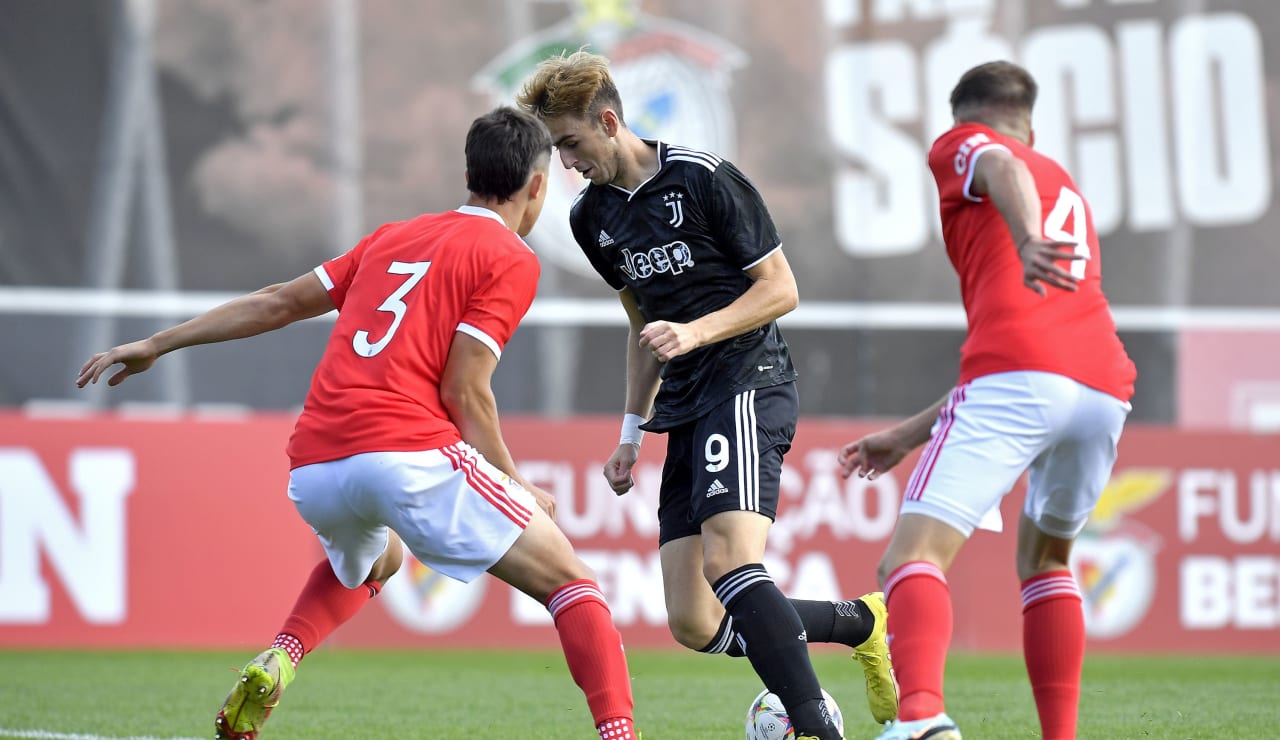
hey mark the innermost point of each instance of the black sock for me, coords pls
(773, 637)
(726, 641)
(846, 622)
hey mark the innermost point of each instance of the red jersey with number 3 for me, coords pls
(1010, 326)
(402, 295)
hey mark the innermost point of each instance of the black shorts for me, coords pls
(728, 460)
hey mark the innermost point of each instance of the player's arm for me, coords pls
(876, 453)
(643, 377)
(467, 394)
(643, 368)
(270, 308)
(1008, 182)
(772, 293)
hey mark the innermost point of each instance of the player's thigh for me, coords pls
(455, 512)
(1067, 477)
(986, 435)
(352, 541)
(541, 559)
(737, 452)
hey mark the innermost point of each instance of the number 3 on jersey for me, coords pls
(394, 305)
(1070, 205)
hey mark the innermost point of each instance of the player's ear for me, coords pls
(609, 119)
(537, 183)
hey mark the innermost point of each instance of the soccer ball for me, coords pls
(767, 719)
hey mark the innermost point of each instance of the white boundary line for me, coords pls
(47, 735)
(607, 311)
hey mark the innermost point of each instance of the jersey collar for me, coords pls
(662, 162)
(481, 211)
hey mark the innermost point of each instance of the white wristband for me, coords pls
(632, 434)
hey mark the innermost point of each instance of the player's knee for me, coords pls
(885, 569)
(567, 570)
(690, 633)
(716, 562)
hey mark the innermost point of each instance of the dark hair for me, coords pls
(503, 147)
(1002, 86)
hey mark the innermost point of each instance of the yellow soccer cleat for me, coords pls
(873, 654)
(255, 694)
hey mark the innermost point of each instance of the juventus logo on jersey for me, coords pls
(675, 201)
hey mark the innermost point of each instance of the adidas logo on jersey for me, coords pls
(605, 239)
(716, 488)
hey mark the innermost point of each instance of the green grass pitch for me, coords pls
(412, 694)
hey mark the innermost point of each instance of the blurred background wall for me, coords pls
(159, 157)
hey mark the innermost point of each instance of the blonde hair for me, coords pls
(577, 85)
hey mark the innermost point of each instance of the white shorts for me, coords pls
(454, 511)
(997, 426)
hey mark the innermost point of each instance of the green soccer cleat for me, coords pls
(873, 654)
(255, 694)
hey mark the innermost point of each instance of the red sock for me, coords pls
(593, 650)
(919, 634)
(1053, 646)
(323, 605)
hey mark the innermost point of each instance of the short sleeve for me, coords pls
(953, 158)
(502, 299)
(739, 220)
(336, 274)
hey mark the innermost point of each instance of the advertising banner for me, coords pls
(178, 533)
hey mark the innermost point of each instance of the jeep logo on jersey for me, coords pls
(675, 77)
(672, 258)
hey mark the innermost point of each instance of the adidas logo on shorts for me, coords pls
(716, 488)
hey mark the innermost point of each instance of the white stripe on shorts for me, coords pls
(946, 419)
(493, 492)
(744, 418)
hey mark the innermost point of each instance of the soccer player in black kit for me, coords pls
(686, 240)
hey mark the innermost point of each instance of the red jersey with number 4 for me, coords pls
(1010, 326)
(402, 295)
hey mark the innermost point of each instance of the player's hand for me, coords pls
(871, 455)
(135, 356)
(1040, 258)
(668, 340)
(546, 501)
(618, 470)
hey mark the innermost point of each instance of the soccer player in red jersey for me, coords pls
(1044, 385)
(399, 440)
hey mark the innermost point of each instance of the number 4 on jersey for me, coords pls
(394, 305)
(1069, 205)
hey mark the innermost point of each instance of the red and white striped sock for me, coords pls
(322, 605)
(593, 650)
(919, 633)
(1053, 647)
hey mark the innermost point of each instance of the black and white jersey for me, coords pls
(682, 242)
